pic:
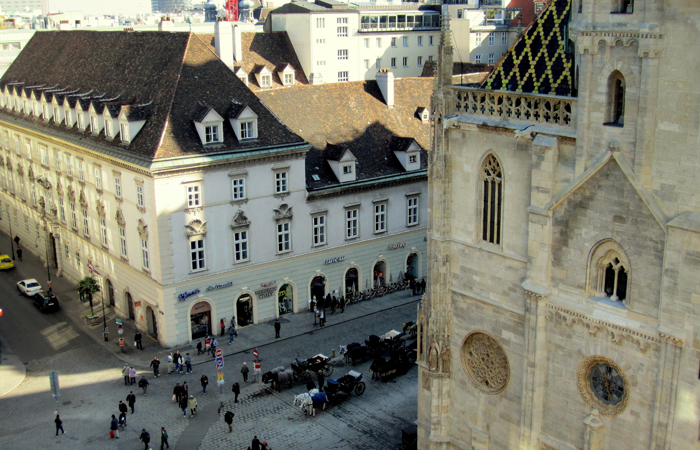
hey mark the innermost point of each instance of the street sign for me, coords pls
(53, 379)
(219, 353)
(256, 366)
(220, 376)
(118, 321)
(48, 284)
(219, 362)
(255, 353)
(89, 266)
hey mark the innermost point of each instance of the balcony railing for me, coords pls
(513, 107)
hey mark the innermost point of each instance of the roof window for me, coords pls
(209, 125)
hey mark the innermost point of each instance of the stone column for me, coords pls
(666, 389)
(593, 435)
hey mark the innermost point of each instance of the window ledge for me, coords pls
(243, 261)
(319, 245)
(199, 271)
(284, 252)
(620, 304)
(141, 209)
(613, 124)
(144, 270)
(106, 247)
(409, 225)
(380, 232)
(352, 238)
(124, 258)
(99, 190)
(281, 194)
(118, 199)
(240, 201)
(193, 210)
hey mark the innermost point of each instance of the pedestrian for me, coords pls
(244, 371)
(131, 400)
(176, 359)
(277, 328)
(59, 425)
(233, 322)
(188, 362)
(231, 332)
(321, 380)
(125, 372)
(170, 363)
(199, 348)
(177, 392)
(264, 446)
(422, 286)
(137, 338)
(122, 407)
(204, 381)
(145, 437)
(132, 375)
(192, 403)
(19, 254)
(310, 384)
(155, 364)
(122, 420)
(236, 389)
(180, 361)
(334, 305)
(183, 405)
(412, 285)
(228, 418)
(143, 384)
(256, 443)
(163, 438)
(122, 345)
(185, 390)
(222, 324)
(322, 318)
(214, 344)
(342, 304)
(114, 427)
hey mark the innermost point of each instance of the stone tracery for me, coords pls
(485, 362)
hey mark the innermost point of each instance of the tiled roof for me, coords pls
(265, 49)
(538, 62)
(353, 115)
(161, 75)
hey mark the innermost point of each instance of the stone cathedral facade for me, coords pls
(563, 309)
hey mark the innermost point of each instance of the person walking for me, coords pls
(244, 371)
(214, 344)
(137, 338)
(256, 443)
(59, 424)
(155, 364)
(204, 381)
(342, 304)
(199, 348)
(143, 384)
(19, 254)
(236, 389)
(170, 363)
(122, 407)
(183, 405)
(176, 359)
(322, 318)
(132, 375)
(188, 362)
(222, 325)
(145, 437)
(228, 418)
(125, 372)
(114, 427)
(231, 332)
(277, 328)
(185, 390)
(334, 305)
(131, 400)
(163, 438)
(122, 420)
(192, 403)
(321, 380)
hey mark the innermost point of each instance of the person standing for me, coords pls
(132, 375)
(163, 438)
(185, 390)
(122, 407)
(244, 371)
(131, 400)
(277, 328)
(177, 392)
(170, 363)
(199, 348)
(114, 427)
(155, 364)
(145, 437)
(231, 332)
(188, 362)
(222, 325)
(236, 389)
(192, 403)
(321, 380)
(204, 382)
(176, 359)
(19, 254)
(59, 424)
(214, 344)
(342, 304)
(228, 418)
(183, 405)
(256, 443)
(125, 372)
(143, 384)
(322, 317)
(137, 338)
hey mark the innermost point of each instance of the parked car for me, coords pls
(45, 302)
(28, 287)
(6, 262)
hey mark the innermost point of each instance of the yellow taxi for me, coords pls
(6, 262)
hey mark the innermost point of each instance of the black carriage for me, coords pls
(409, 439)
(303, 368)
(336, 389)
(357, 352)
(393, 340)
(398, 363)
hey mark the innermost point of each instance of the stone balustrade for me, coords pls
(514, 107)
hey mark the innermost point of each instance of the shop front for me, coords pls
(379, 273)
(200, 320)
(318, 288)
(351, 282)
(285, 299)
(412, 266)
(244, 310)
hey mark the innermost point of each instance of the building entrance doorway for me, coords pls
(110, 292)
(412, 266)
(351, 280)
(379, 273)
(200, 320)
(244, 310)
(285, 299)
(130, 306)
(318, 288)
(152, 322)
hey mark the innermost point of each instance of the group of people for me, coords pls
(181, 363)
(183, 398)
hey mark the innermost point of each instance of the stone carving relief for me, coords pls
(44, 182)
(30, 173)
(196, 228)
(59, 188)
(445, 359)
(142, 229)
(613, 146)
(71, 193)
(20, 170)
(119, 217)
(82, 199)
(100, 208)
(9, 163)
(42, 203)
(240, 220)
(485, 362)
(433, 356)
(283, 212)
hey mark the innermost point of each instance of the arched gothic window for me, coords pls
(615, 114)
(492, 192)
(609, 272)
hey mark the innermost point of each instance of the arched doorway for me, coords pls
(412, 264)
(379, 274)
(352, 280)
(152, 322)
(130, 306)
(200, 320)
(110, 292)
(318, 287)
(244, 310)
(285, 299)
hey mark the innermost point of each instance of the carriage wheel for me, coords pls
(360, 388)
(327, 371)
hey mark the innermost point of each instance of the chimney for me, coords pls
(385, 80)
(166, 24)
(223, 40)
(237, 44)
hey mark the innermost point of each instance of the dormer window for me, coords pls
(347, 169)
(265, 81)
(407, 151)
(241, 74)
(208, 124)
(286, 74)
(56, 114)
(35, 109)
(47, 112)
(423, 114)
(263, 76)
(248, 129)
(109, 132)
(94, 125)
(81, 121)
(211, 134)
(413, 159)
(124, 132)
(243, 120)
(288, 79)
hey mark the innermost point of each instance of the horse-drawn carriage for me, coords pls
(303, 368)
(409, 439)
(355, 352)
(398, 363)
(337, 389)
(277, 377)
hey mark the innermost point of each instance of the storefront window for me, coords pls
(200, 320)
(379, 274)
(351, 282)
(285, 299)
(412, 266)
(244, 310)
(318, 288)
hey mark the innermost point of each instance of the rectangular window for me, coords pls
(28, 148)
(379, 42)
(86, 224)
(117, 187)
(56, 115)
(366, 63)
(342, 31)
(280, 182)
(69, 166)
(347, 169)
(430, 40)
(240, 246)
(197, 254)
(98, 177)
(342, 20)
(477, 58)
(492, 39)
(320, 22)
(380, 218)
(342, 54)
(139, 195)
(420, 61)
(366, 42)
(17, 149)
(247, 129)
(491, 58)
(504, 38)
(61, 210)
(193, 196)
(103, 231)
(33, 191)
(144, 254)
(266, 81)
(124, 128)
(351, 228)
(211, 134)
(238, 188)
(477, 38)
(405, 61)
(393, 42)
(379, 63)
(44, 155)
(284, 243)
(81, 172)
(319, 225)
(342, 77)
(73, 218)
(94, 125)
(412, 211)
(420, 41)
(459, 13)
(57, 161)
(81, 120)
(430, 57)
(393, 62)
(405, 41)
(122, 241)
(108, 128)
(288, 78)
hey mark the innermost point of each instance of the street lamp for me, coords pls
(12, 244)
(48, 269)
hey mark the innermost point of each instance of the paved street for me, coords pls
(91, 384)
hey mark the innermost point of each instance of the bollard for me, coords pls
(333, 353)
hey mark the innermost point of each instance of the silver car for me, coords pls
(28, 287)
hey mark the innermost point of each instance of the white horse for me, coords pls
(310, 406)
(300, 399)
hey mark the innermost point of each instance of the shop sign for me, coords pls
(335, 260)
(185, 295)
(397, 245)
(219, 286)
(268, 284)
(267, 292)
(138, 304)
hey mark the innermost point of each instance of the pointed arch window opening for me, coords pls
(492, 180)
(615, 115)
(612, 280)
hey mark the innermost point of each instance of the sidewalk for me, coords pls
(12, 371)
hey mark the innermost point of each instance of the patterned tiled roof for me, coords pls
(538, 62)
